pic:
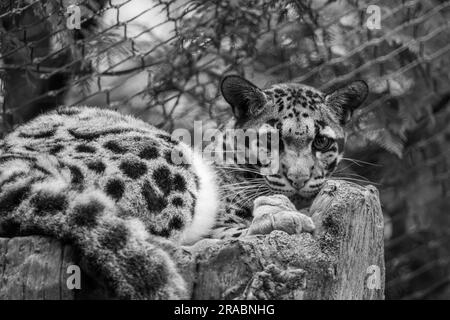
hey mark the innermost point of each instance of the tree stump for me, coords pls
(344, 259)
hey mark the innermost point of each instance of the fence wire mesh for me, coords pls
(162, 60)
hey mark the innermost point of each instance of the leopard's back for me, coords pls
(76, 161)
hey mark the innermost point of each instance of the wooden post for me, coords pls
(344, 259)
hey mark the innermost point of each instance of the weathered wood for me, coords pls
(334, 263)
(34, 268)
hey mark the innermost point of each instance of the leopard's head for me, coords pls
(310, 126)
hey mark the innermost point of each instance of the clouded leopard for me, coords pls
(107, 183)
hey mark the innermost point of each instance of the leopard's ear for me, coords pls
(346, 99)
(245, 98)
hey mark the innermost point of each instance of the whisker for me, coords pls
(248, 199)
(246, 181)
(351, 160)
(250, 182)
(257, 194)
(343, 169)
(353, 180)
(245, 190)
(234, 187)
(238, 169)
(358, 162)
(230, 168)
(244, 187)
(250, 194)
(355, 175)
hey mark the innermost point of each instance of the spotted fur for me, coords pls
(107, 184)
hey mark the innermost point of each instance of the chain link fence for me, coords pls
(162, 61)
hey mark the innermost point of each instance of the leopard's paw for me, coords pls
(278, 213)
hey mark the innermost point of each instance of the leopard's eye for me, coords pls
(322, 143)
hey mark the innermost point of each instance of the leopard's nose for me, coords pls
(297, 180)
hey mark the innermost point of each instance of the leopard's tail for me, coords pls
(36, 199)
